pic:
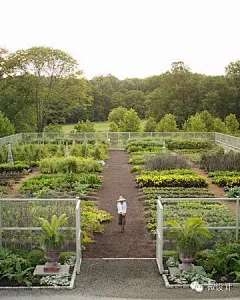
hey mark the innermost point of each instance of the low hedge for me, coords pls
(227, 181)
(69, 164)
(17, 168)
(148, 180)
(189, 145)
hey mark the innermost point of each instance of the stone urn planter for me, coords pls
(187, 258)
(52, 256)
(52, 241)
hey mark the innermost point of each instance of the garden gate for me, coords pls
(159, 236)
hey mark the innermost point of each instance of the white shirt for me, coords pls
(122, 207)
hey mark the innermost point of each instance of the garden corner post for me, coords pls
(0, 225)
(159, 236)
(78, 235)
(237, 218)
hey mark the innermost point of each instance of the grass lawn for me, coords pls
(99, 126)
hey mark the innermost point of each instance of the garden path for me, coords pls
(14, 191)
(135, 241)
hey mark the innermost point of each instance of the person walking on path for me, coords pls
(122, 210)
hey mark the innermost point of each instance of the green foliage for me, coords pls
(14, 267)
(137, 160)
(189, 276)
(166, 162)
(151, 125)
(175, 192)
(52, 238)
(152, 180)
(136, 169)
(49, 84)
(53, 128)
(130, 122)
(6, 127)
(113, 127)
(36, 257)
(69, 164)
(172, 145)
(61, 185)
(208, 120)
(220, 161)
(219, 125)
(223, 260)
(232, 124)
(84, 126)
(190, 234)
(17, 168)
(227, 181)
(167, 124)
(234, 192)
(56, 280)
(195, 123)
(116, 116)
(213, 213)
(149, 145)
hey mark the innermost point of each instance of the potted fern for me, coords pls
(52, 241)
(190, 237)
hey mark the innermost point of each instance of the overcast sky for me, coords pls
(128, 38)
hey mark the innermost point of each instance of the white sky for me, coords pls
(127, 38)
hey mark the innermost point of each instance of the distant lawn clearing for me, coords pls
(99, 126)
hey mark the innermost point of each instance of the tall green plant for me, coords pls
(52, 238)
(191, 234)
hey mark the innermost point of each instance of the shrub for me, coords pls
(234, 192)
(232, 124)
(172, 145)
(224, 173)
(36, 257)
(223, 260)
(69, 164)
(150, 125)
(194, 123)
(218, 161)
(17, 168)
(166, 162)
(226, 181)
(136, 169)
(130, 122)
(84, 126)
(167, 124)
(6, 127)
(138, 160)
(53, 128)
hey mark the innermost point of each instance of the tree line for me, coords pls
(41, 86)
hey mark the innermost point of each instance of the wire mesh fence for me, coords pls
(118, 140)
(19, 221)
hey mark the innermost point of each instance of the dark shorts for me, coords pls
(121, 220)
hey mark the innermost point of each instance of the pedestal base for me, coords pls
(40, 270)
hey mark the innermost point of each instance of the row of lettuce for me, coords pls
(62, 171)
(165, 169)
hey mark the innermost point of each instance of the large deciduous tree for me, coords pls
(55, 80)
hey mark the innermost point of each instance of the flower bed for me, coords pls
(152, 180)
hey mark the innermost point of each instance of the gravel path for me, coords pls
(116, 280)
(135, 241)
